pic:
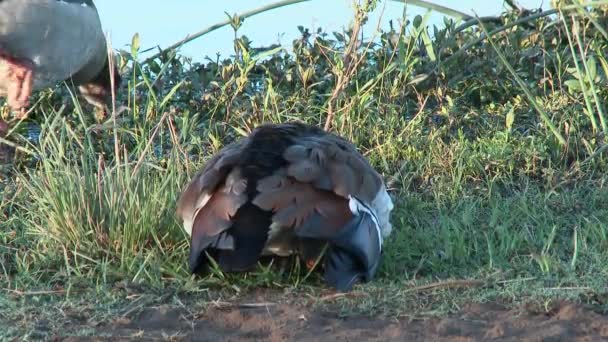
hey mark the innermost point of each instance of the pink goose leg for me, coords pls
(20, 73)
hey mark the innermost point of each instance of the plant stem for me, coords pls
(214, 27)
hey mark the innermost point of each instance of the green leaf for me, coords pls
(135, 45)
(573, 85)
(170, 94)
(267, 53)
(510, 118)
(154, 67)
(592, 68)
(417, 21)
(240, 131)
(428, 43)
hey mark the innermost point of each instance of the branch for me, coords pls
(279, 4)
(214, 27)
(438, 8)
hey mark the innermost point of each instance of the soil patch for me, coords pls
(284, 322)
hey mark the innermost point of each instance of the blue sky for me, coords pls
(164, 25)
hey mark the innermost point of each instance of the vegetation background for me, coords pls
(491, 134)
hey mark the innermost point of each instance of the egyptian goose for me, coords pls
(288, 188)
(43, 42)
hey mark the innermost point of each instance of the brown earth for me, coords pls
(283, 322)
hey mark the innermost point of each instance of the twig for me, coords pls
(176, 142)
(143, 154)
(35, 293)
(220, 304)
(256, 305)
(512, 5)
(473, 21)
(517, 280)
(18, 147)
(438, 8)
(100, 169)
(113, 94)
(343, 294)
(594, 155)
(140, 303)
(569, 288)
(446, 284)
(225, 305)
(214, 27)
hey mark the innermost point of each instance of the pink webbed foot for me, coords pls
(20, 73)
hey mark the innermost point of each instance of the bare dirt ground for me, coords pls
(286, 322)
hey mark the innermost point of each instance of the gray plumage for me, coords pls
(62, 39)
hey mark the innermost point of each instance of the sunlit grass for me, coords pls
(496, 163)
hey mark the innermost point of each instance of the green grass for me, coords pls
(496, 163)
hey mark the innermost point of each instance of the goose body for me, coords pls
(43, 42)
(288, 188)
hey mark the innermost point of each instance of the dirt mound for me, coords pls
(269, 322)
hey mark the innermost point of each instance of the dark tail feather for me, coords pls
(240, 249)
(212, 245)
(354, 254)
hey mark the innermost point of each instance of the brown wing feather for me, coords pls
(311, 192)
(294, 203)
(204, 188)
(332, 163)
(215, 216)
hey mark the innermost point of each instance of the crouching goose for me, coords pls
(43, 42)
(284, 189)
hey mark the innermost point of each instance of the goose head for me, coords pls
(97, 91)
